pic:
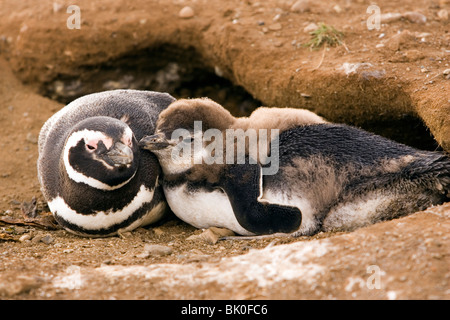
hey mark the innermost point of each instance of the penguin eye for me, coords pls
(91, 144)
(90, 147)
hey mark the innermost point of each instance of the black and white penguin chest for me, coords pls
(234, 201)
(96, 180)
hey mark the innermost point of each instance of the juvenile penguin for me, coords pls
(96, 180)
(329, 177)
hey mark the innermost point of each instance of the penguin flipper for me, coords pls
(243, 185)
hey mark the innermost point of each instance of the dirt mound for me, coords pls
(242, 54)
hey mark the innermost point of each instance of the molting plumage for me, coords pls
(93, 175)
(330, 177)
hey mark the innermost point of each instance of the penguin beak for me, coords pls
(120, 155)
(155, 142)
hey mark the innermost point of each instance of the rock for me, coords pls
(397, 41)
(278, 43)
(275, 27)
(158, 231)
(377, 74)
(37, 238)
(21, 284)
(25, 237)
(57, 7)
(310, 27)
(301, 6)
(390, 17)
(186, 13)
(415, 17)
(412, 16)
(350, 68)
(447, 75)
(47, 239)
(197, 258)
(32, 138)
(157, 250)
(408, 56)
(443, 14)
(337, 9)
(211, 235)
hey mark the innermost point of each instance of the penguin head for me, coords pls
(179, 141)
(101, 152)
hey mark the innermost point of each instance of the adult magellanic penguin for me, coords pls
(328, 177)
(96, 180)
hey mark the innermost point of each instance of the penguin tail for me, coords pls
(434, 172)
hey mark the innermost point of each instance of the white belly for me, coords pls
(349, 216)
(308, 220)
(203, 209)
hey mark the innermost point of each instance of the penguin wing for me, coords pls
(243, 184)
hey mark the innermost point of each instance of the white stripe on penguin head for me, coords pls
(77, 176)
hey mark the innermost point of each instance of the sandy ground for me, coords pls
(37, 74)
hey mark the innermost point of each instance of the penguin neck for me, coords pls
(206, 176)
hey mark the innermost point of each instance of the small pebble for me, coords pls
(186, 13)
(337, 9)
(211, 235)
(197, 258)
(275, 27)
(57, 7)
(278, 43)
(415, 17)
(24, 237)
(277, 17)
(47, 239)
(301, 6)
(390, 17)
(158, 231)
(32, 138)
(157, 250)
(443, 14)
(446, 71)
(310, 27)
(37, 238)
